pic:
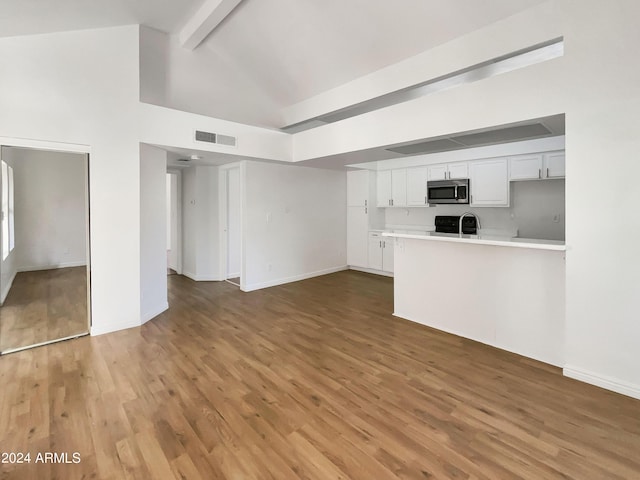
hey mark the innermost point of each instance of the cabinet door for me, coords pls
(357, 233)
(554, 164)
(387, 254)
(375, 252)
(458, 170)
(399, 187)
(489, 183)
(417, 186)
(526, 167)
(357, 188)
(383, 194)
(437, 172)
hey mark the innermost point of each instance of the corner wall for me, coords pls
(153, 232)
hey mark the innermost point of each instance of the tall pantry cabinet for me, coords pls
(362, 215)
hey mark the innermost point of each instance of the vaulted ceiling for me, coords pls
(269, 54)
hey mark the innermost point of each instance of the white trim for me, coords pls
(203, 278)
(44, 145)
(35, 268)
(603, 381)
(145, 317)
(233, 275)
(113, 327)
(7, 288)
(371, 270)
(295, 278)
(48, 342)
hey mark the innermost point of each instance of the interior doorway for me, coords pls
(231, 221)
(44, 243)
(174, 222)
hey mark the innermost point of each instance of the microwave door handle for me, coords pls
(455, 193)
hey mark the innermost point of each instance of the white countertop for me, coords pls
(501, 241)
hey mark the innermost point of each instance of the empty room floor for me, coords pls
(44, 305)
(314, 380)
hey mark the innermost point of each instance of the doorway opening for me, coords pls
(44, 239)
(174, 222)
(231, 221)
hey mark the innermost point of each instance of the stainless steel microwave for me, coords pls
(448, 191)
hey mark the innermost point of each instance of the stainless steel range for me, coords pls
(451, 224)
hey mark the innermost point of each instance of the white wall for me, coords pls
(153, 232)
(234, 223)
(190, 80)
(82, 88)
(50, 208)
(201, 239)
(294, 223)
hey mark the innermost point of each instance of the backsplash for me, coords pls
(534, 207)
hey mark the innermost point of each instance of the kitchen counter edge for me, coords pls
(485, 240)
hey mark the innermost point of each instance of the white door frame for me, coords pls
(68, 148)
(178, 173)
(223, 216)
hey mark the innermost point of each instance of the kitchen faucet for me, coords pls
(465, 214)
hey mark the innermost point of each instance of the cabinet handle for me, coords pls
(547, 172)
(539, 173)
(380, 243)
(365, 210)
(425, 200)
(365, 203)
(392, 202)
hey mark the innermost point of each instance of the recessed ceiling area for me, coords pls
(532, 129)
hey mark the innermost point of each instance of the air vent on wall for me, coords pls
(216, 138)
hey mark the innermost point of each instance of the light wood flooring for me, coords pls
(44, 305)
(311, 380)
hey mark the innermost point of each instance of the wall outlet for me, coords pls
(269, 217)
(269, 267)
(556, 218)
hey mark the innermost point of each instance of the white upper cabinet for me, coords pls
(399, 187)
(526, 167)
(458, 170)
(489, 183)
(537, 166)
(554, 164)
(437, 172)
(383, 191)
(448, 171)
(417, 186)
(392, 188)
(357, 188)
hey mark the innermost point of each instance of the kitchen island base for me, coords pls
(510, 298)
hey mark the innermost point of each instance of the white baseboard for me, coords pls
(113, 327)
(7, 287)
(295, 278)
(34, 268)
(371, 270)
(608, 383)
(154, 312)
(202, 278)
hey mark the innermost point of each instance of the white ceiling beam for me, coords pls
(205, 21)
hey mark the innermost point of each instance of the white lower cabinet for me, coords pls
(380, 252)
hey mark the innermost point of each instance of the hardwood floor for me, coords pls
(44, 305)
(311, 380)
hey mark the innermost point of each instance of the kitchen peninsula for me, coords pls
(504, 292)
